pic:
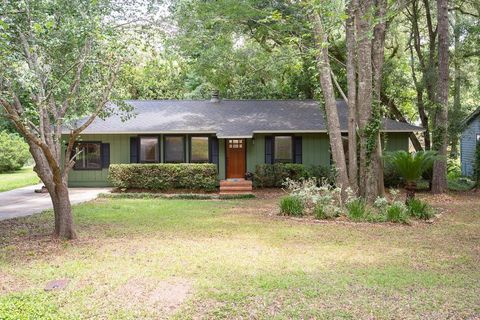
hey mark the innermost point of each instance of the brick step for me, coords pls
(235, 192)
(235, 183)
(236, 188)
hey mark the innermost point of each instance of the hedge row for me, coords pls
(274, 175)
(162, 176)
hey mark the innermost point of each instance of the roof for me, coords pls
(227, 118)
(471, 117)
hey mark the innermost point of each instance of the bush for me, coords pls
(13, 152)
(163, 176)
(419, 209)
(461, 184)
(391, 178)
(291, 206)
(274, 175)
(357, 209)
(396, 212)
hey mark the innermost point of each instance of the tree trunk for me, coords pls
(352, 97)
(63, 211)
(410, 188)
(333, 123)
(455, 117)
(439, 181)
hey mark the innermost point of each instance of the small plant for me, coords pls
(419, 209)
(321, 211)
(357, 209)
(291, 206)
(397, 212)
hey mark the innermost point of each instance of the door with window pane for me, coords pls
(236, 158)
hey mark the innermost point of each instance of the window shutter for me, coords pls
(213, 144)
(134, 150)
(269, 149)
(297, 147)
(105, 155)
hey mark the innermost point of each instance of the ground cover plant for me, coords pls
(324, 201)
(238, 259)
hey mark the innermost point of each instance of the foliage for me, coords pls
(357, 209)
(13, 152)
(291, 206)
(396, 212)
(419, 209)
(454, 170)
(461, 184)
(274, 175)
(476, 174)
(391, 178)
(163, 176)
(410, 166)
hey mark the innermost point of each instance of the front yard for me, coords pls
(17, 179)
(237, 259)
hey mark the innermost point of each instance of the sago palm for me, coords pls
(410, 167)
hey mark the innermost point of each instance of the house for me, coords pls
(468, 142)
(236, 135)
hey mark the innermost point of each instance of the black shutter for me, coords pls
(213, 145)
(269, 149)
(134, 158)
(297, 147)
(105, 155)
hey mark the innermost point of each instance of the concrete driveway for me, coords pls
(24, 201)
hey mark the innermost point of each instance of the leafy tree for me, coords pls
(411, 166)
(13, 152)
(59, 61)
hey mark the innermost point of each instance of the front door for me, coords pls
(236, 158)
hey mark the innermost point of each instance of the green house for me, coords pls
(237, 135)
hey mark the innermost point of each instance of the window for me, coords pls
(235, 143)
(283, 149)
(148, 149)
(199, 149)
(174, 149)
(90, 157)
(478, 137)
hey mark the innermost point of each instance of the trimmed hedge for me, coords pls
(164, 176)
(273, 175)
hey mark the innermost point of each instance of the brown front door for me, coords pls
(235, 158)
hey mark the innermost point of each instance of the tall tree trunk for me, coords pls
(352, 96)
(63, 211)
(455, 117)
(333, 123)
(439, 181)
(378, 49)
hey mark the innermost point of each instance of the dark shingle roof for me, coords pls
(228, 118)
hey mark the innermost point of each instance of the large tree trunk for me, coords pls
(378, 49)
(333, 123)
(352, 96)
(439, 181)
(63, 211)
(455, 117)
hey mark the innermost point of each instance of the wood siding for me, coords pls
(468, 144)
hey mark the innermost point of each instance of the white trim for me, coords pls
(234, 137)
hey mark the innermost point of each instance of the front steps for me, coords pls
(236, 186)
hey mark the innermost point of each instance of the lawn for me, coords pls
(17, 179)
(185, 259)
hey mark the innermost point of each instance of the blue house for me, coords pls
(468, 142)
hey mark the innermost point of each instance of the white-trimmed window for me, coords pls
(174, 149)
(199, 149)
(149, 149)
(283, 149)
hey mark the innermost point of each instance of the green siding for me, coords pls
(396, 141)
(315, 151)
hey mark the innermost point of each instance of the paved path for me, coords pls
(24, 201)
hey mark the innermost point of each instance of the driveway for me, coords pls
(24, 201)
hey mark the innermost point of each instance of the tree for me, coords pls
(440, 136)
(59, 62)
(410, 166)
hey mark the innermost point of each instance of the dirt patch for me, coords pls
(160, 297)
(9, 283)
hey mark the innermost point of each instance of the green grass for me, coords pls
(17, 179)
(239, 260)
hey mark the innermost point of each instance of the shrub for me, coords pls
(13, 152)
(461, 184)
(274, 175)
(291, 206)
(391, 178)
(321, 211)
(163, 176)
(396, 212)
(454, 170)
(419, 209)
(357, 209)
